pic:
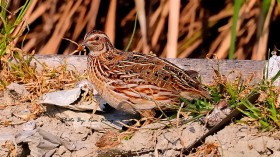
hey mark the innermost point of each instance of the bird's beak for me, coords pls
(84, 43)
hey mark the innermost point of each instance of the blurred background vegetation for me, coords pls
(235, 29)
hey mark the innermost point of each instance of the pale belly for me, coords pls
(114, 99)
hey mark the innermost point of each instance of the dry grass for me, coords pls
(49, 79)
(177, 29)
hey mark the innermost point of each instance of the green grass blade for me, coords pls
(230, 90)
(265, 7)
(265, 71)
(237, 5)
(274, 78)
(264, 124)
(132, 36)
(9, 25)
(252, 112)
(23, 10)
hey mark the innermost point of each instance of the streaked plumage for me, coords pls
(133, 82)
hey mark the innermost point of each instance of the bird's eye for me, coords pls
(96, 38)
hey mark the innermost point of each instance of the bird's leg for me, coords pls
(148, 115)
(97, 98)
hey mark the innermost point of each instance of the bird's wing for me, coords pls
(146, 77)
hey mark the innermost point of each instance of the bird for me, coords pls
(134, 82)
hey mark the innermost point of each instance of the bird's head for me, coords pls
(97, 42)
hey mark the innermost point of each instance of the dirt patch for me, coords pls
(241, 140)
(64, 132)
